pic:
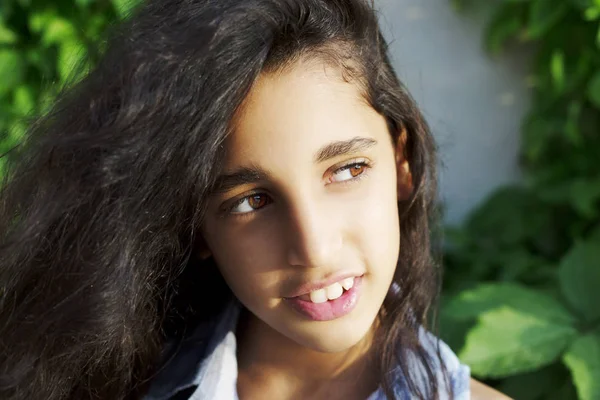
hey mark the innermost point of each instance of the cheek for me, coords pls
(376, 226)
(247, 261)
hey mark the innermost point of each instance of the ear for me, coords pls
(201, 248)
(404, 177)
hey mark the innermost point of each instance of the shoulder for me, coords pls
(479, 391)
(452, 375)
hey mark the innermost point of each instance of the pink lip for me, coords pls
(309, 287)
(331, 309)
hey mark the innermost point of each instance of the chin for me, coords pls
(333, 336)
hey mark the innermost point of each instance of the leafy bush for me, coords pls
(41, 43)
(522, 289)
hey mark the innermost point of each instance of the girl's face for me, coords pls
(307, 199)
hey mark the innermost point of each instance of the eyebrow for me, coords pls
(254, 174)
(241, 176)
(344, 147)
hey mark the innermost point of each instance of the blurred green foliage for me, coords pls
(43, 46)
(522, 284)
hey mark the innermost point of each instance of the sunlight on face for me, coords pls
(308, 191)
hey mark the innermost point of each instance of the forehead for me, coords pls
(296, 112)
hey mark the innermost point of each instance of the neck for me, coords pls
(268, 358)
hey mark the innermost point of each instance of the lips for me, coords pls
(329, 309)
(330, 292)
(305, 289)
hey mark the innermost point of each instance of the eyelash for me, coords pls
(363, 163)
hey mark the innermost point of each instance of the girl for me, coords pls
(233, 204)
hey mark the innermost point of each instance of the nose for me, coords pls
(315, 236)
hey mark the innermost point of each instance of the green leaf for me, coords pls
(537, 133)
(16, 132)
(566, 391)
(46, 99)
(124, 7)
(58, 31)
(593, 89)
(557, 70)
(11, 70)
(24, 99)
(39, 20)
(591, 13)
(510, 216)
(504, 25)
(518, 262)
(70, 61)
(6, 35)
(84, 3)
(527, 386)
(583, 359)
(585, 194)
(543, 15)
(579, 275)
(486, 297)
(507, 342)
(95, 25)
(452, 331)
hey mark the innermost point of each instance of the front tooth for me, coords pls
(348, 283)
(334, 291)
(318, 296)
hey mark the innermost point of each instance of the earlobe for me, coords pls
(404, 176)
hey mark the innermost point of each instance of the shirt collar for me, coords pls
(200, 359)
(207, 361)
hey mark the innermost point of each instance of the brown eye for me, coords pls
(349, 172)
(250, 203)
(356, 170)
(257, 201)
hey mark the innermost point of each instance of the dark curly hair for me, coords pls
(100, 208)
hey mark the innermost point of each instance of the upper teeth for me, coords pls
(331, 292)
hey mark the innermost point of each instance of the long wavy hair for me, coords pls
(100, 208)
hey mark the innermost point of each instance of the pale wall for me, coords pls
(473, 103)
